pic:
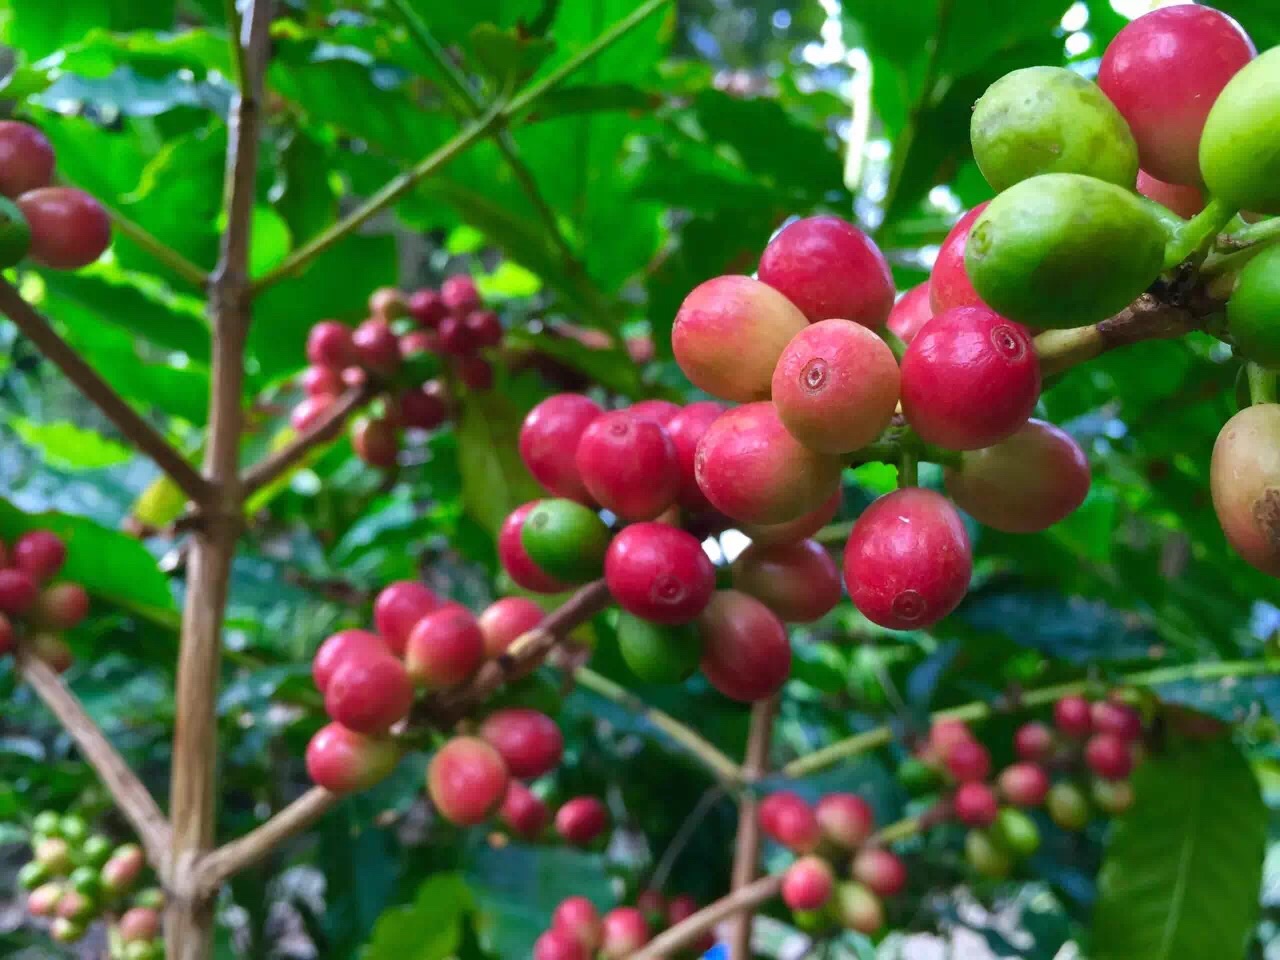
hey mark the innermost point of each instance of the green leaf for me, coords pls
(494, 479)
(594, 98)
(428, 929)
(70, 447)
(506, 55)
(38, 27)
(1184, 865)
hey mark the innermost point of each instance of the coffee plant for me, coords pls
(614, 480)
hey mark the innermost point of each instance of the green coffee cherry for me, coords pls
(918, 777)
(1238, 158)
(152, 898)
(32, 875)
(97, 850)
(55, 855)
(15, 234)
(1067, 806)
(986, 856)
(144, 950)
(46, 823)
(1016, 832)
(66, 931)
(1253, 312)
(74, 829)
(566, 540)
(1113, 796)
(657, 653)
(85, 880)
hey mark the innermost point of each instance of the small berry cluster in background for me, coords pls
(34, 610)
(579, 932)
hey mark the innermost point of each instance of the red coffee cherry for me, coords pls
(123, 869)
(516, 561)
(454, 337)
(797, 581)
(882, 872)
(523, 812)
(476, 373)
(369, 694)
(398, 608)
(625, 931)
(6, 635)
(40, 554)
(1025, 483)
(418, 342)
(729, 333)
(581, 820)
(329, 345)
(1183, 199)
(680, 908)
(1118, 719)
(445, 648)
(846, 820)
(376, 441)
(377, 348)
(342, 645)
(1108, 756)
(829, 268)
(798, 529)
(745, 651)
(787, 819)
(1033, 741)
(459, 294)
(387, 303)
(661, 412)
(26, 158)
(321, 382)
(754, 471)
(659, 573)
(807, 884)
(685, 429)
(578, 917)
(628, 465)
(969, 761)
(18, 591)
(422, 410)
(139, 924)
(910, 313)
(506, 619)
(43, 900)
(970, 378)
(343, 761)
(944, 736)
(559, 945)
(69, 228)
(975, 804)
(549, 440)
(652, 904)
(1073, 716)
(306, 415)
(949, 284)
(467, 781)
(61, 606)
(907, 562)
(1024, 784)
(485, 328)
(528, 740)
(427, 307)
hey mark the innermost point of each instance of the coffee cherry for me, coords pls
(459, 294)
(787, 819)
(422, 410)
(308, 414)
(565, 539)
(658, 653)
(624, 931)
(476, 373)
(66, 930)
(1244, 480)
(653, 905)
(1025, 483)
(515, 560)
(968, 761)
(341, 646)
(377, 349)
(97, 850)
(729, 333)
(581, 820)
(54, 854)
(529, 741)
(975, 804)
(1238, 167)
(578, 917)
(427, 307)
(911, 312)
(1164, 71)
(73, 828)
(321, 381)
(121, 872)
(1118, 719)
(659, 573)
(506, 619)
(523, 812)
(1067, 806)
(836, 386)
(398, 608)
(369, 693)
(908, 560)
(846, 820)
(47, 823)
(6, 635)
(986, 856)
(18, 591)
(1033, 741)
(1108, 756)
(52, 650)
(43, 900)
(797, 581)
(61, 606)
(467, 781)
(484, 328)
(417, 343)
(882, 872)
(829, 269)
(1183, 199)
(685, 428)
(857, 908)
(26, 158)
(454, 337)
(1024, 784)
(549, 440)
(661, 412)
(329, 345)
(40, 554)
(1016, 832)
(388, 303)
(75, 906)
(1113, 797)
(945, 735)
(753, 470)
(970, 378)
(745, 651)
(807, 884)
(559, 945)
(798, 529)
(949, 283)
(628, 465)
(69, 228)
(138, 924)
(444, 648)
(1072, 716)
(33, 875)
(376, 441)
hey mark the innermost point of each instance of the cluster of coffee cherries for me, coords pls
(59, 227)
(398, 348)
(33, 610)
(76, 877)
(579, 932)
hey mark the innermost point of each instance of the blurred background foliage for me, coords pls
(672, 158)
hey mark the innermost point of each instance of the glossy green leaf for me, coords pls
(428, 929)
(71, 447)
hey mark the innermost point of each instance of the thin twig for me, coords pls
(127, 420)
(710, 797)
(682, 934)
(325, 430)
(746, 855)
(168, 256)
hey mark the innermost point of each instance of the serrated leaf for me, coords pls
(1184, 865)
(429, 929)
(70, 447)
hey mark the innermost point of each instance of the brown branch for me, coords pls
(325, 430)
(682, 934)
(128, 792)
(746, 854)
(127, 420)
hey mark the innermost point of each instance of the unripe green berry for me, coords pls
(32, 875)
(54, 854)
(66, 931)
(97, 850)
(1016, 832)
(144, 950)
(74, 829)
(985, 855)
(918, 777)
(1067, 806)
(86, 880)
(47, 822)
(152, 898)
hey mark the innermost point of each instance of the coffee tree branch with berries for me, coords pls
(555, 534)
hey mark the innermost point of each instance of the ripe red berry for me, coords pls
(26, 158)
(745, 651)
(1183, 199)
(949, 283)
(6, 635)
(975, 804)
(139, 924)
(829, 269)
(625, 931)
(506, 619)
(445, 647)
(1024, 784)
(969, 761)
(40, 554)
(652, 904)
(343, 761)
(1163, 72)
(729, 333)
(485, 328)
(61, 606)
(559, 945)
(387, 303)
(50, 648)
(321, 381)
(797, 581)
(69, 228)
(1118, 719)
(515, 560)
(306, 415)
(846, 820)
(881, 871)
(907, 562)
(661, 412)
(970, 378)
(337, 648)
(910, 313)
(1033, 741)
(467, 781)
(628, 465)
(798, 529)
(124, 868)
(459, 294)
(659, 573)
(549, 440)
(418, 342)
(422, 410)
(685, 429)
(398, 608)
(944, 736)
(427, 307)
(368, 694)
(807, 884)
(528, 740)
(376, 441)
(18, 591)
(454, 337)
(43, 900)
(1108, 756)
(1072, 716)
(329, 345)
(578, 917)
(786, 818)
(377, 348)
(754, 471)
(581, 820)
(523, 811)
(476, 373)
